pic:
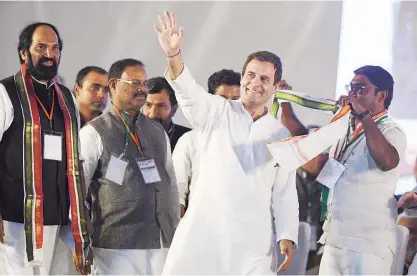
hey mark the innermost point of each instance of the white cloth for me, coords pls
(13, 258)
(239, 195)
(128, 261)
(139, 261)
(185, 162)
(338, 261)
(412, 270)
(363, 213)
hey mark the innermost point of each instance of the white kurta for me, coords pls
(239, 198)
(363, 212)
(185, 162)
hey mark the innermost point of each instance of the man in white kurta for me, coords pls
(241, 199)
(360, 227)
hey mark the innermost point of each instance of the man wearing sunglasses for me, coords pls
(128, 170)
(360, 178)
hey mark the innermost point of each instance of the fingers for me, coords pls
(284, 85)
(168, 19)
(162, 22)
(157, 29)
(181, 34)
(285, 264)
(173, 19)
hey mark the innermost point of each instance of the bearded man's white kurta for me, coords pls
(242, 204)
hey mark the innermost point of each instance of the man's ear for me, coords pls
(383, 95)
(23, 54)
(112, 85)
(77, 90)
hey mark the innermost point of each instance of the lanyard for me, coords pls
(51, 113)
(129, 133)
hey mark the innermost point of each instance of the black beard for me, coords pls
(159, 120)
(40, 71)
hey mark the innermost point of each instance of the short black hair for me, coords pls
(118, 67)
(225, 77)
(26, 35)
(380, 78)
(156, 85)
(266, 57)
(85, 71)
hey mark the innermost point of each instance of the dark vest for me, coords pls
(54, 173)
(132, 215)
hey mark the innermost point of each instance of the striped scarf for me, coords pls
(32, 172)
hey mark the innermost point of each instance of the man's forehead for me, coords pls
(261, 67)
(96, 77)
(45, 34)
(161, 96)
(360, 79)
(135, 72)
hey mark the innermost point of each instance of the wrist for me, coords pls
(173, 54)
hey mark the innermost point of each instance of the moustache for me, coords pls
(46, 59)
(140, 93)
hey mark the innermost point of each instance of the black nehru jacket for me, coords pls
(175, 132)
(56, 200)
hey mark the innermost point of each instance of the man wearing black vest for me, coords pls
(41, 191)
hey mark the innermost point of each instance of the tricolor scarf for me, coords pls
(294, 152)
(32, 171)
(338, 154)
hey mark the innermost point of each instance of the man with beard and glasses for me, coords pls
(41, 191)
(161, 106)
(91, 91)
(129, 172)
(244, 206)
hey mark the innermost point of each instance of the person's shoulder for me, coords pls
(7, 81)
(275, 125)
(181, 129)
(151, 123)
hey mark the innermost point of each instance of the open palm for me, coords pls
(169, 35)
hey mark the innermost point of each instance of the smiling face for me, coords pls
(257, 83)
(130, 97)
(43, 57)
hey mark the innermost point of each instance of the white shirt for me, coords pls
(239, 196)
(364, 211)
(185, 162)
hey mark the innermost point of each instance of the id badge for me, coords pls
(52, 145)
(116, 169)
(331, 173)
(149, 170)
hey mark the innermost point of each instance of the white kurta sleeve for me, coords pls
(285, 206)
(91, 150)
(171, 172)
(199, 107)
(6, 111)
(182, 165)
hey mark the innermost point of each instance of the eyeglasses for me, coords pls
(135, 83)
(357, 88)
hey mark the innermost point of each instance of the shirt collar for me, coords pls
(46, 85)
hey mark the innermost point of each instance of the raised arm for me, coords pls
(199, 107)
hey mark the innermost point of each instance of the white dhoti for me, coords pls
(13, 259)
(338, 261)
(128, 261)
